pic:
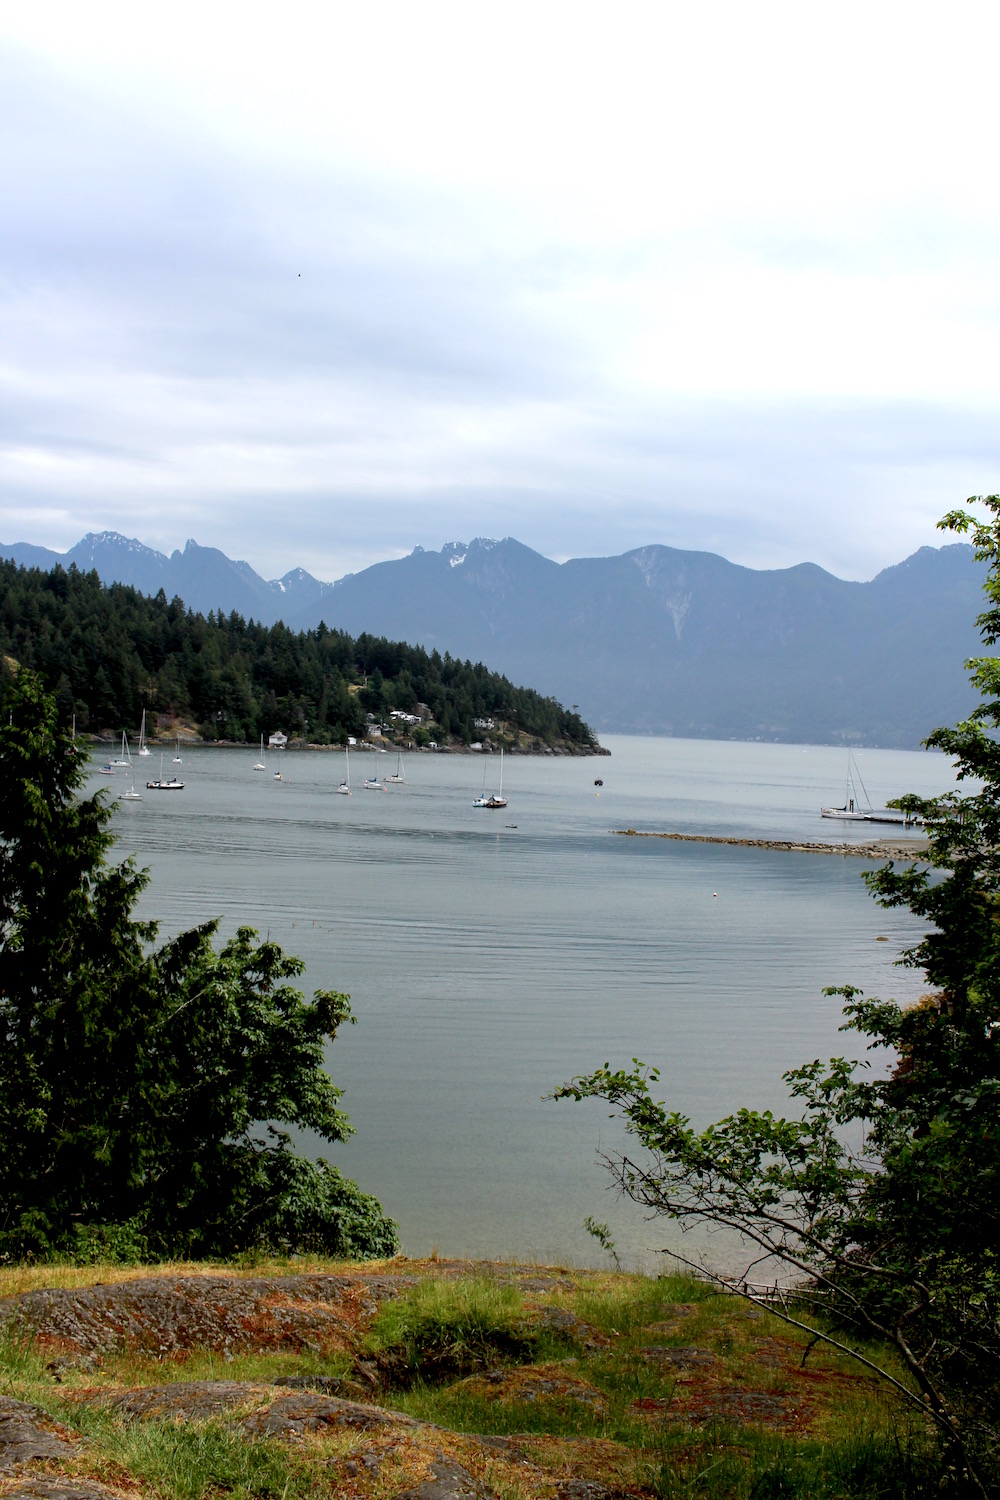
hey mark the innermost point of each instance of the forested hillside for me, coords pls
(110, 652)
(655, 641)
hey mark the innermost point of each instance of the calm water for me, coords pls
(486, 964)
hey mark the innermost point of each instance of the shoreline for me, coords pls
(871, 849)
(298, 747)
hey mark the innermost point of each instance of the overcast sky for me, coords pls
(317, 284)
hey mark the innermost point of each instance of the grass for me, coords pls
(468, 1318)
(22, 1367)
(187, 1461)
(594, 1378)
(857, 1442)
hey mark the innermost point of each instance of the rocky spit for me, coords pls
(903, 849)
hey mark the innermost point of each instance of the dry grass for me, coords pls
(29, 1278)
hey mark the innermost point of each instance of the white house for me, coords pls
(277, 740)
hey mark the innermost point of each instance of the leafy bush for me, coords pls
(900, 1244)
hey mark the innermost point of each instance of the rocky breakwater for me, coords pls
(902, 849)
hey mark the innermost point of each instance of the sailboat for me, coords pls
(161, 785)
(372, 784)
(261, 764)
(123, 761)
(143, 747)
(177, 753)
(495, 799)
(397, 776)
(130, 794)
(858, 808)
(345, 786)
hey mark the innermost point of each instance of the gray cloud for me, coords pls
(304, 367)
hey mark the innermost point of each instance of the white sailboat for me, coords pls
(493, 799)
(123, 761)
(345, 786)
(857, 807)
(130, 794)
(162, 785)
(177, 752)
(397, 776)
(261, 764)
(143, 747)
(372, 784)
(497, 799)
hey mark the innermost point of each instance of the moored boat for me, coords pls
(492, 799)
(123, 760)
(857, 806)
(345, 786)
(161, 784)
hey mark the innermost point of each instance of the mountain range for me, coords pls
(656, 640)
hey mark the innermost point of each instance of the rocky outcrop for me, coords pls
(309, 1386)
(27, 1434)
(165, 1315)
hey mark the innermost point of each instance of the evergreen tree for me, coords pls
(111, 652)
(143, 1090)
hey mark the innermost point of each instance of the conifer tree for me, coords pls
(144, 1090)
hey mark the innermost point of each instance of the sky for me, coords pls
(316, 284)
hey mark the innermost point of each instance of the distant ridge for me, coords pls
(656, 640)
(203, 577)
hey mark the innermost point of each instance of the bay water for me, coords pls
(492, 955)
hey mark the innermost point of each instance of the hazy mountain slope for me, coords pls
(655, 640)
(205, 578)
(686, 643)
(30, 556)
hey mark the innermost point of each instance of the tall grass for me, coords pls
(190, 1460)
(469, 1318)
